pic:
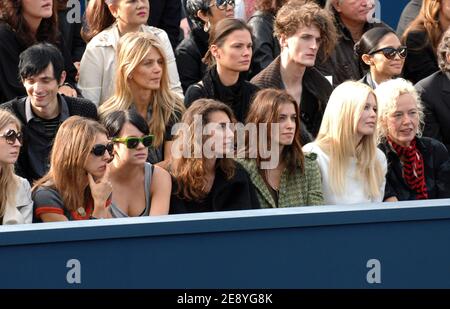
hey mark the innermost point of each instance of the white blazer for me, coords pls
(22, 211)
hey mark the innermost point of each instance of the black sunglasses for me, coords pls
(133, 142)
(99, 149)
(222, 4)
(390, 52)
(11, 136)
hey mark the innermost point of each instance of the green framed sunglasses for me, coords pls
(132, 142)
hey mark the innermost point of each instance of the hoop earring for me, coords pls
(207, 26)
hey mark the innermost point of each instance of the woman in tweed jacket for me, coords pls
(286, 177)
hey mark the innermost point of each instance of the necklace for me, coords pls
(276, 188)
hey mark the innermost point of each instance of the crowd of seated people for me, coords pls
(293, 103)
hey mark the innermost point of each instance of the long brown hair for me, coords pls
(8, 181)
(11, 13)
(190, 172)
(165, 104)
(428, 21)
(71, 148)
(265, 109)
(98, 18)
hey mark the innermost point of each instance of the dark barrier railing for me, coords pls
(390, 245)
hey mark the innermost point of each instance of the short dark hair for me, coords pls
(370, 41)
(36, 59)
(115, 121)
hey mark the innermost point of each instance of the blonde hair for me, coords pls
(8, 180)
(388, 94)
(70, 152)
(131, 51)
(338, 138)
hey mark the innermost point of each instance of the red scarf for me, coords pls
(413, 169)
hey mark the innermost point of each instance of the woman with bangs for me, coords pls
(142, 84)
(418, 167)
(106, 22)
(77, 186)
(353, 168)
(16, 206)
(204, 177)
(286, 178)
(140, 188)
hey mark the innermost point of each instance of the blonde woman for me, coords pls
(353, 168)
(419, 167)
(107, 21)
(16, 205)
(77, 186)
(142, 83)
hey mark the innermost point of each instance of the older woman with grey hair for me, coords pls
(435, 94)
(418, 167)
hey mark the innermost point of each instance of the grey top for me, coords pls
(116, 212)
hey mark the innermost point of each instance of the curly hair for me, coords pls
(269, 5)
(11, 14)
(189, 172)
(443, 52)
(296, 14)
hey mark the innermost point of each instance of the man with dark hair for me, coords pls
(41, 112)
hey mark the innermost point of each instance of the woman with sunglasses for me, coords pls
(380, 50)
(107, 21)
(203, 14)
(142, 84)
(204, 177)
(16, 206)
(77, 186)
(140, 188)
(229, 56)
(418, 167)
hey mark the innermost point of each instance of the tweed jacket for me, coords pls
(296, 189)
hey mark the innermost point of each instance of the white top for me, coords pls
(98, 65)
(354, 189)
(22, 211)
(239, 10)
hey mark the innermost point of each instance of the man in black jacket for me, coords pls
(41, 112)
(166, 15)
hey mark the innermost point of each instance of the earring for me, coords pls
(207, 26)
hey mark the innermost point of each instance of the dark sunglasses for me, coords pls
(99, 149)
(222, 4)
(390, 52)
(11, 136)
(133, 142)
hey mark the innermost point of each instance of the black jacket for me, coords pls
(166, 15)
(265, 45)
(435, 95)
(71, 34)
(436, 165)
(237, 193)
(34, 154)
(10, 49)
(421, 61)
(315, 94)
(237, 96)
(343, 64)
(189, 55)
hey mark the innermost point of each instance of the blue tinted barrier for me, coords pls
(385, 245)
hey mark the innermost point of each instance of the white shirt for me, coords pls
(98, 65)
(354, 189)
(22, 211)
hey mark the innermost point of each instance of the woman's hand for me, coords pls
(100, 190)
